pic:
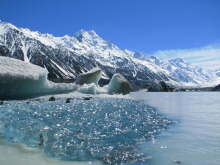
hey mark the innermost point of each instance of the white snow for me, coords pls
(186, 74)
(46, 39)
(25, 48)
(4, 27)
(88, 43)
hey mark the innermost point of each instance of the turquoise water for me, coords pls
(152, 129)
(109, 130)
(195, 139)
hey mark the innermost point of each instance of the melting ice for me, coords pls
(21, 80)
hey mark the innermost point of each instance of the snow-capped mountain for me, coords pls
(186, 73)
(68, 56)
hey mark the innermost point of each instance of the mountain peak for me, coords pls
(79, 48)
(87, 35)
(155, 60)
(93, 39)
(5, 26)
(90, 32)
(177, 60)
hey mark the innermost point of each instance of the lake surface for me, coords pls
(108, 130)
(195, 139)
(186, 130)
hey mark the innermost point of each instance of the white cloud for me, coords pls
(207, 57)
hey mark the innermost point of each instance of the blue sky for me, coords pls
(146, 26)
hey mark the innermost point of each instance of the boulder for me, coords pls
(52, 98)
(68, 100)
(87, 98)
(160, 87)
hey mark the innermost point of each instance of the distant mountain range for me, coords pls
(68, 56)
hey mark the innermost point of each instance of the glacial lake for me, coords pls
(179, 128)
(195, 139)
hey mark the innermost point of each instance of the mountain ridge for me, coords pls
(68, 56)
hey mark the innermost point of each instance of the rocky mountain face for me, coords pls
(68, 56)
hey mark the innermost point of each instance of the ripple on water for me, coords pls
(99, 129)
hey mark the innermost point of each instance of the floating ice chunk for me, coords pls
(93, 76)
(92, 89)
(119, 84)
(20, 80)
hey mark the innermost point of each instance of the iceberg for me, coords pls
(119, 84)
(19, 80)
(93, 76)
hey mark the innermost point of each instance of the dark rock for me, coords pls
(68, 100)
(217, 88)
(1, 102)
(177, 161)
(165, 87)
(160, 87)
(87, 98)
(103, 82)
(52, 98)
(41, 140)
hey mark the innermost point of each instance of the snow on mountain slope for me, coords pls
(186, 73)
(68, 56)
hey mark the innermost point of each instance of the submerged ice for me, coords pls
(105, 129)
